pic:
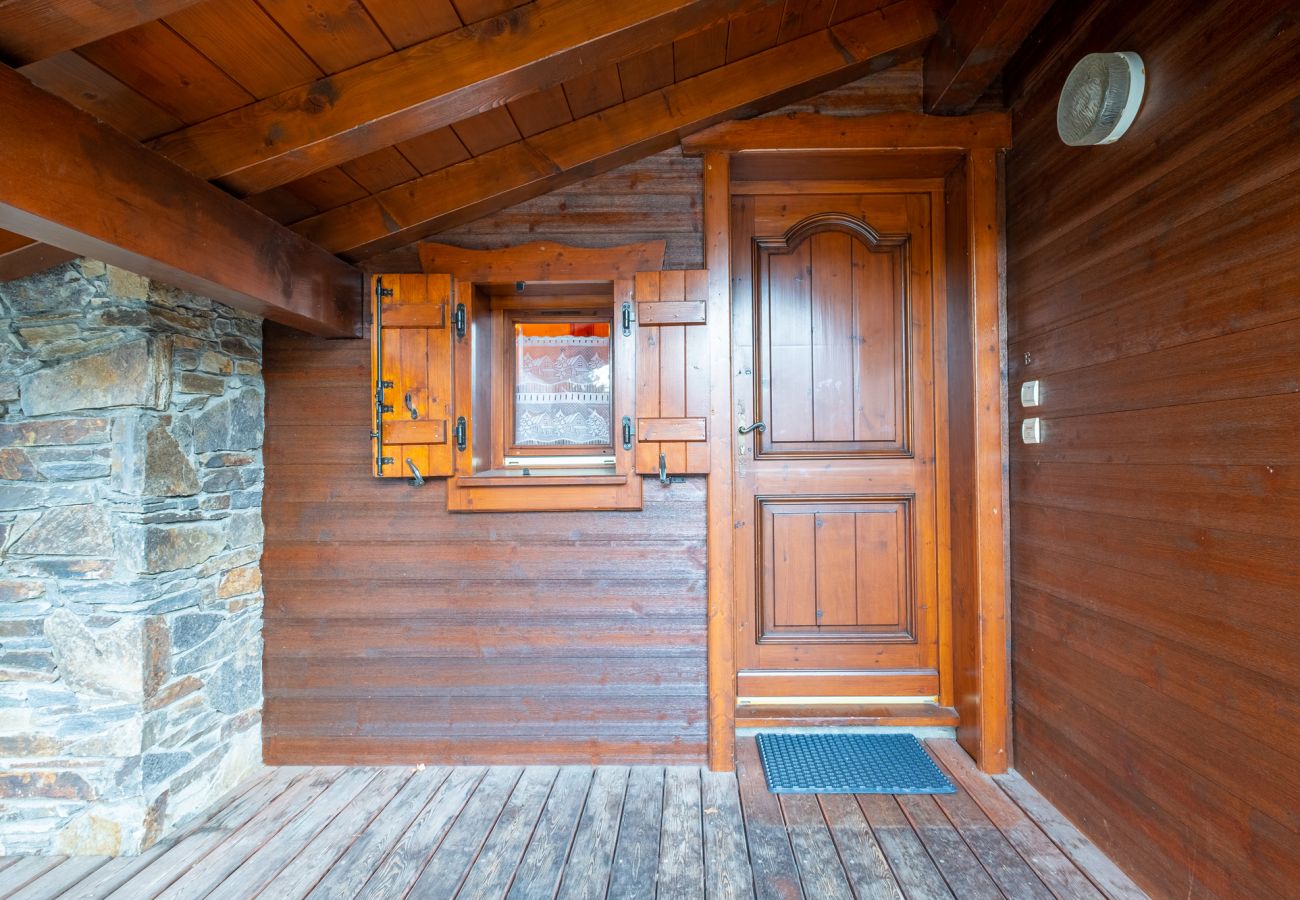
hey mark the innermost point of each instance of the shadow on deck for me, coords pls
(617, 832)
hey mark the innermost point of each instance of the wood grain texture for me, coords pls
(602, 141)
(658, 197)
(454, 79)
(1151, 291)
(577, 832)
(721, 538)
(84, 187)
(31, 30)
(397, 631)
(977, 38)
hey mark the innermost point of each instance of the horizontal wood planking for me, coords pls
(671, 312)
(688, 429)
(1152, 291)
(399, 632)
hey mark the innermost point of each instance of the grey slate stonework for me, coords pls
(131, 421)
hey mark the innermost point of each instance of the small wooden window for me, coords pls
(559, 405)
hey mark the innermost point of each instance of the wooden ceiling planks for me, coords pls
(599, 142)
(336, 34)
(246, 43)
(161, 66)
(975, 42)
(438, 82)
(405, 23)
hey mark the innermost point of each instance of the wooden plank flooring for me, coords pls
(607, 832)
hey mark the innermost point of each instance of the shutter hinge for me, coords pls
(459, 319)
(461, 433)
(627, 319)
(627, 433)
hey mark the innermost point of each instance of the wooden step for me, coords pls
(909, 715)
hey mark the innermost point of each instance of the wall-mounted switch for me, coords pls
(1031, 431)
(1029, 393)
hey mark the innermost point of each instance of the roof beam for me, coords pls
(886, 131)
(76, 183)
(429, 85)
(32, 30)
(604, 140)
(974, 43)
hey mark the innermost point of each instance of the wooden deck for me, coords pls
(543, 831)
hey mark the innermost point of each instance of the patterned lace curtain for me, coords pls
(562, 391)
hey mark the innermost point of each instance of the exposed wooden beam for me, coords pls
(36, 29)
(429, 85)
(604, 140)
(887, 131)
(73, 182)
(974, 42)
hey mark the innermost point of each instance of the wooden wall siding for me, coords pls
(1152, 288)
(656, 198)
(398, 632)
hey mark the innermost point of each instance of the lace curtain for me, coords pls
(562, 391)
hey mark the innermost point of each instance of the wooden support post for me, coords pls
(988, 738)
(721, 637)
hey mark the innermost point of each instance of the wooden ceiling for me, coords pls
(364, 125)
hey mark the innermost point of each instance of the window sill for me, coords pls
(515, 478)
(569, 490)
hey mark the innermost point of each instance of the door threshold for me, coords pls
(836, 715)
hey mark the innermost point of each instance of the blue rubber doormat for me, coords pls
(849, 764)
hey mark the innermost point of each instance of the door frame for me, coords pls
(966, 152)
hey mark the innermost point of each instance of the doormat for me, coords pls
(849, 764)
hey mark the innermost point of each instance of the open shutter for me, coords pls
(672, 393)
(410, 336)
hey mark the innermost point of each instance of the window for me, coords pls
(561, 399)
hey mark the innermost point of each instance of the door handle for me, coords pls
(757, 426)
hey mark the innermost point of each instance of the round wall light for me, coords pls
(1100, 99)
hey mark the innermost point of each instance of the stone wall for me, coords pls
(130, 537)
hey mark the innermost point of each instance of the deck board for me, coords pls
(636, 857)
(609, 832)
(539, 872)
(587, 873)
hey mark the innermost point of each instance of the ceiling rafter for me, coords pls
(435, 83)
(604, 140)
(32, 30)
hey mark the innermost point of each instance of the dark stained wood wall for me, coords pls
(1155, 285)
(397, 632)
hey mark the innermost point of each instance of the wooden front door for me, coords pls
(837, 556)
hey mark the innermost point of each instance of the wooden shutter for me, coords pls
(411, 335)
(672, 393)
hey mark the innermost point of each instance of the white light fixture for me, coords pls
(1030, 395)
(1100, 99)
